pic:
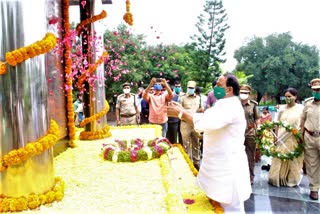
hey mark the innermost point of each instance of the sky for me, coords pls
(173, 21)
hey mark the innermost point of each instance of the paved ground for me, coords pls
(269, 199)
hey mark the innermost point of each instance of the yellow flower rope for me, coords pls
(95, 18)
(32, 201)
(93, 135)
(102, 133)
(128, 17)
(40, 47)
(17, 156)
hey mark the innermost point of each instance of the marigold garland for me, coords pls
(93, 135)
(3, 68)
(68, 75)
(91, 69)
(96, 116)
(32, 201)
(17, 156)
(265, 141)
(40, 47)
(95, 18)
(128, 17)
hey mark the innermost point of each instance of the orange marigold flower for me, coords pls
(3, 68)
(294, 131)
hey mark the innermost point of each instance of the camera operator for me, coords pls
(158, 101)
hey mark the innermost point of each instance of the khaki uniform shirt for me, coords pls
(191, 103)
(311, 115)
(126, 105)
(251, 114)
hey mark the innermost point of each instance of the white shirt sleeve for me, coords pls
(217, 117)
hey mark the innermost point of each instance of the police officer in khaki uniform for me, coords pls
(127, 112)
(252, 117)
(310, 128)
(191, 103)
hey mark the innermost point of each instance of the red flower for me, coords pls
(188, 201)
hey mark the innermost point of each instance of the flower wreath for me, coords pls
(267, 147)
(135, 150)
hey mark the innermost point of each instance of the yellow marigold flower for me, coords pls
(50, 197)
(3, 68)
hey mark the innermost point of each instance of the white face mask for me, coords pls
(126, 90)
(244, 96)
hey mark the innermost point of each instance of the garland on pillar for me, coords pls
(68, 74)
(102, 133)
(128, 17)
(19, 55)
(32, 201)
(95, 18)
(17, 156)
(91, 69)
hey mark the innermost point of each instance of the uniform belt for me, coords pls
(127, 115)
(313, 134)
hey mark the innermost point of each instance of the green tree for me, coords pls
(209, 42)
(276, 63)
(126, 59)
(132, 60)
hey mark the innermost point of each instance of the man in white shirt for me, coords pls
(224, 174)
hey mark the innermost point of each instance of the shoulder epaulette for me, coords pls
(121, 95)
(255, 102)
(309, 99)
(182, 95)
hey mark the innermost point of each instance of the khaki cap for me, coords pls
(315, 83)
(245, 88)
(191, 84)
(126, 84)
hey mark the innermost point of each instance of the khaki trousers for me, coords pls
(250, 147)
(190, 138)
(312, 160)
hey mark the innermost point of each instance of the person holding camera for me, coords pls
(158, 101)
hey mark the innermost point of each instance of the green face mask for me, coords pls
(289, 100)
(219, 92)
(316, 95)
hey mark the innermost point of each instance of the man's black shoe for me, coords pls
(266, 167)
